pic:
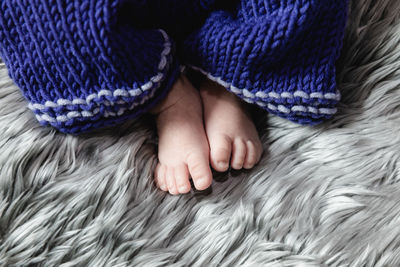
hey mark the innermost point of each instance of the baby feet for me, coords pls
(183, 147)
(187, 144)
(231, 133)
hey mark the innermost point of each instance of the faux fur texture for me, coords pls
(322, 196)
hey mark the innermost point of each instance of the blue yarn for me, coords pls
(268, 48)
(87, 64)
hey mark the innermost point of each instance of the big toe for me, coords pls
(220, 151)
(199, 169)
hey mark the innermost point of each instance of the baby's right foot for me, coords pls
(183, 147)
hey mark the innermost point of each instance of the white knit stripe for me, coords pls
(75, 114)
(280, 108)
(247, 94)
(153, 82)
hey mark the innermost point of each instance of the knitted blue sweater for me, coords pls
(85, 64)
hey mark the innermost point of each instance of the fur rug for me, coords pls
(322, 196)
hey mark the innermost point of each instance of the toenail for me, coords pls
(222, 164)
(202, 181)
(248, 166)
(183, 188)
(163, 187)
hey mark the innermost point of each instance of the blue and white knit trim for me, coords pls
(151, 87)
(76, 114)
(251, 98)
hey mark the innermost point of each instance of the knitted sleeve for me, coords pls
(279, 55)
(81, 64)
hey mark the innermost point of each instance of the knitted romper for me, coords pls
(85, 64)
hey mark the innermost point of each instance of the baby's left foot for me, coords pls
(231, 133)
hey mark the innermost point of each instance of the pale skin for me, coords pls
(199, 130)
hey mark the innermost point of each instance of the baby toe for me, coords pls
(220, 152)
(170, 179)
(182, 179)
(159, 176)
(251, 155)
(199, 170)
(238, 153)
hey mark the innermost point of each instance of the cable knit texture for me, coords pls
(87, 64)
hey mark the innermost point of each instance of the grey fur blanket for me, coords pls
(327, 195)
